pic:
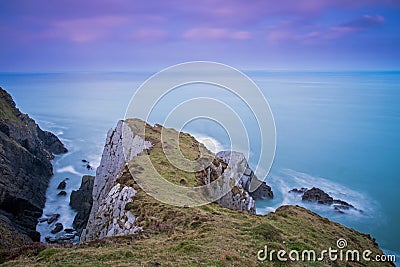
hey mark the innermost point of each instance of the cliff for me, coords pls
(26, 152)
(128, 227)
(111, 194)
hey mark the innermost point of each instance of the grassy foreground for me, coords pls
(201, 236)
(206, 236)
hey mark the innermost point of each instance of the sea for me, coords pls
(338, 131)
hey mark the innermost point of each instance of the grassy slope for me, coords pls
(209, 235)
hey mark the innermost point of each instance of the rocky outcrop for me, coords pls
(236, 198)
(319, 196)
(109, 217)
(109, 199)
(248, 181)
(25, 167)
(81, 201)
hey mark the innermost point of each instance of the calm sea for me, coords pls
(335, 130)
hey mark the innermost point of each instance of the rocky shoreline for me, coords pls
(318, 196)
(26, 152)
(111, 204)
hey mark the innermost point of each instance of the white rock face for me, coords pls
(229, 184)
(248, 181)
(108, 216)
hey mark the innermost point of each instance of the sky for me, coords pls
(118, 35)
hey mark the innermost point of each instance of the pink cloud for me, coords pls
(222, 13)
(216, 34)
(149, 35)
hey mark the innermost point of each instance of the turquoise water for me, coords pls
(338, 131)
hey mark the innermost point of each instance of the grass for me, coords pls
(208, 235)
(205, 236)
(8, 113)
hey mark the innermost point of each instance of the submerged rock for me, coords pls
(62, 185)
(319, 196)
(62, 194)
(69, 230)
(58, 228)
(42, 220)
(299, 191)
(53, 218)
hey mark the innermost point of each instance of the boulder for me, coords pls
(263, 191)
(58, 228)
(53, 218)
(62, 185)
(62, 193)
(342, 204)
(317, 195)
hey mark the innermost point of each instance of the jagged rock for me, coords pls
(69, 230)
(62, 194)
(58, 228)
(108, 216)
(263, 191)
(112, 218)
(60, 238)
(42, 220)
(248, 180)
(112, 163)
(317, 195)
(51, 141)
(298, 191)
(25, 167)
(53, 218)
(62, 185)
(11, 236)
(82, 201)
(342, 204)
(236, 198)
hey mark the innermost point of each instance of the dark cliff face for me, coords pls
(82, 201)
(25, 168)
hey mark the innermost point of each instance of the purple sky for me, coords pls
(48, 35)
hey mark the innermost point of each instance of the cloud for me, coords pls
(149, 35)
(367, 21)
(295, 31)
(84, 30)
(354, 26)
(215, 34)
